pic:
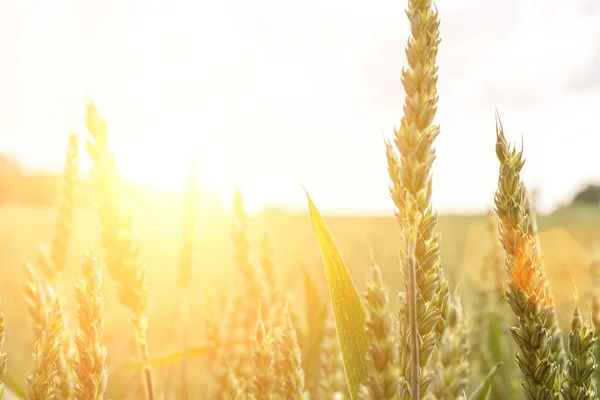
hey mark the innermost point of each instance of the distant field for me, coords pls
(23, 229)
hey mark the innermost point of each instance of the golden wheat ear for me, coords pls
(90, 363)
(410, 159)
(294, 387)
(526, 290)
(383, 380)
(41, 383)
(263, 362)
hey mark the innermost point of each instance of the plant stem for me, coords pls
(415, 369)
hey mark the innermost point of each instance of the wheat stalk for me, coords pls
(122, 243)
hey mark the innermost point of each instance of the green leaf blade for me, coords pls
(483, 390)
(348, 309)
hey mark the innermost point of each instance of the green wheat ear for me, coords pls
(581, 364)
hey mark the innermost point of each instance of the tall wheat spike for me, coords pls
(121, 242)
(90, 362)
(526, 290)
(411, 179)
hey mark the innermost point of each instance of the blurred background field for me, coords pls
(568, 235)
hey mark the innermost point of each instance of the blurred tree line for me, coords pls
(17, 186)
(589, 195)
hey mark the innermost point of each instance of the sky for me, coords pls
(272, 94)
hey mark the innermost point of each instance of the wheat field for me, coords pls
(126, 299)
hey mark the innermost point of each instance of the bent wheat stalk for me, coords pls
(121, 242)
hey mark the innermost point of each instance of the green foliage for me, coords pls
(348, 309)
(483, 390)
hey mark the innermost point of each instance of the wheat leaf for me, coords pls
(483, 390)
(347, 306)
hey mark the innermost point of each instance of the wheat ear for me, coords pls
(263, 361)
(331, 379)
(90, 362)
(41, 384)
(581, 365)
(452, 367)
(526, 289)
(383, 381)
(291, 372)
(66, 209)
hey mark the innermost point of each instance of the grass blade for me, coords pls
(483, 390)
(347, 306)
